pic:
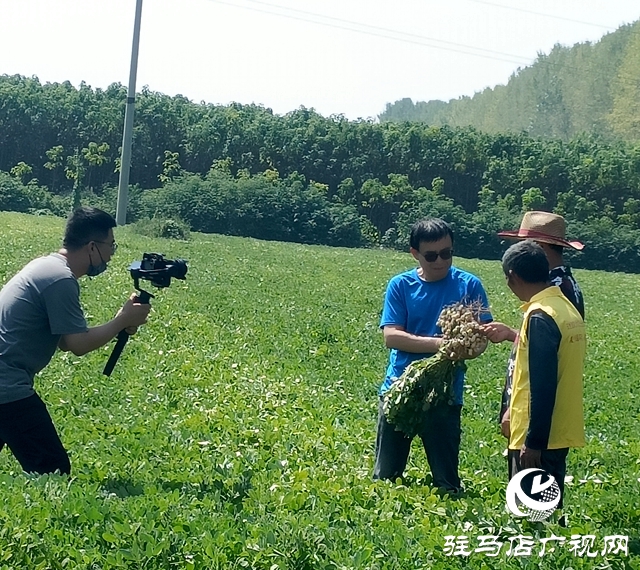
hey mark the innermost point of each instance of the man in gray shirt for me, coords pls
(39, 312)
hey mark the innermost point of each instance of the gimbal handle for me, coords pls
(123, 336)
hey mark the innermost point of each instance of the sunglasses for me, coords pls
(444, 254)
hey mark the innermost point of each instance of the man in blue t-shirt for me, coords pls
(412, 305)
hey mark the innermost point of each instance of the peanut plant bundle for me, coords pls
(429, 381)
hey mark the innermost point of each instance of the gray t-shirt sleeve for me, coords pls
(62, 301)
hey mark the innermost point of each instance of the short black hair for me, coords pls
(429, 229)
(528, 261)
(86, 224)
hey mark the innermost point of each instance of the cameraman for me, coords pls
(39, 312)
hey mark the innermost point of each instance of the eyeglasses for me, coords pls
(444, 254)
(113, 244)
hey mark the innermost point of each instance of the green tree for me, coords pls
(532, 199)
(171, 168)
(21, 171)
(588, 87)
(75, 171)
(93, 156)
(625, 114)
(55, 163)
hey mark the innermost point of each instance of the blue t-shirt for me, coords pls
(415, 305)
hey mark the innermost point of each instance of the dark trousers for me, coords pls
(27, 430)
(440, 437)
(553, 461)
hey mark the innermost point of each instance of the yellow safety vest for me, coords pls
(567, 422)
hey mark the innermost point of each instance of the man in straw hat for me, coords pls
(549, 231)
(546, 408)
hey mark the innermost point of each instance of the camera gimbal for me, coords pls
(159, 271)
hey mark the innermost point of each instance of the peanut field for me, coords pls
(238, 428)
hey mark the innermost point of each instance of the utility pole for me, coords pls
(125, 157)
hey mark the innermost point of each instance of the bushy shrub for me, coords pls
(188, 198)
(348, 228)
(162, 228)
(261, 206)
(608, 246)
(30, 197)
(14, 195)
(106, 198)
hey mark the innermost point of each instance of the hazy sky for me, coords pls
(346, 57)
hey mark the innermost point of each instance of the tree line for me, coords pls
(242, 170)
(585, 88)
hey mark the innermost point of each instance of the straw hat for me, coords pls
(544, 227)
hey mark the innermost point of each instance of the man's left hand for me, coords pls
(530, 458)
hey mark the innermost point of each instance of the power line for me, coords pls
(381, 32)
(407, 34)
(554, 16)
(403, 36)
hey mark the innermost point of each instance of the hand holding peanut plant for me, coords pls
(429, 381)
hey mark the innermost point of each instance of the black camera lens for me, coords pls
(177, 268)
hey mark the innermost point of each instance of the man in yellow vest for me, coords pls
(547, 374)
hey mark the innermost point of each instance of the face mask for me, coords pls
(96, 269)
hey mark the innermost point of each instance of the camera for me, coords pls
(155, 268)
